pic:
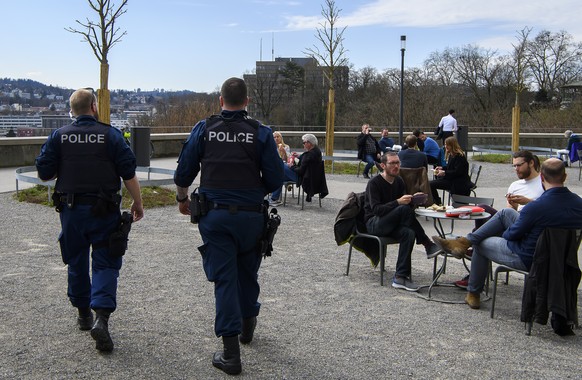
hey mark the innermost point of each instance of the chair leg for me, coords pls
(382, 263)
(349, 259)
(494, 292)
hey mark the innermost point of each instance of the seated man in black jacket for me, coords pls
(388, 212)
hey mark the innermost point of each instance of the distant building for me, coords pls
(570, 92)
(273, 80)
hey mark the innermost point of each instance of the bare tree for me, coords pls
(520, 72)
(102, 35)
(554, 60)
(332, 57)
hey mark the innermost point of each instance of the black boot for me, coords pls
(85, 318)
(100, 331)
(248, 329)
(228, 360)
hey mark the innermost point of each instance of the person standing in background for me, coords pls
(449, 125)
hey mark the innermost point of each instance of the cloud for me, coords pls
(34, 74)
(449, 13)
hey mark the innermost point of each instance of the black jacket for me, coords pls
(553, 280)
(457, 172)
(311, 173)
(361, 141)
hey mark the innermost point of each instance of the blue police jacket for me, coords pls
(86, 156)
(269, 165)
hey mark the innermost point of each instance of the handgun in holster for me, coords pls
(56, 198)
(273, 220)
(198, 207)
(119, 238)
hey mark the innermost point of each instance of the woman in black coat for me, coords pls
(453, 177)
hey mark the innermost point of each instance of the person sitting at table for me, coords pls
(453, 177)
(282, 148)
(411, 157)
(385, 143)
(308, 173)
(519, 230)
(521, 192)
(428, 146)
(388, 212)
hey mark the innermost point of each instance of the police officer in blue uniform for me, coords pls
(240, 165)
(88, 158)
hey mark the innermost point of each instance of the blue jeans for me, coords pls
(289, 175)
(371, 161)
(489, 246)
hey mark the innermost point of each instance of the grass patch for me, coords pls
(152, 196)
(37, 194)
(495, 158)
(341, 168)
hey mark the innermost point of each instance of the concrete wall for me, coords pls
(22, 151)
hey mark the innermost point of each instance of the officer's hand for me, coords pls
(184, 207)
(136, 211)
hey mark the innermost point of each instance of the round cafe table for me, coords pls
(437, 218)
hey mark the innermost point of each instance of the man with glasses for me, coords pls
(389, 212)
(510, 237)
(526, 189)
(88, 158)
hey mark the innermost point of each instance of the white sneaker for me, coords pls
(275, 203)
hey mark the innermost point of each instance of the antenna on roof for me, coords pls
(273, 46)
(261, 53)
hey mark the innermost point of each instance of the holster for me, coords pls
(119, 238)
(56, 198)
(198, 207)
(106, 204)
(272, 222)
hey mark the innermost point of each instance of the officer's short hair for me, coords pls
(234, 91)
(81, 101)
(311, 138)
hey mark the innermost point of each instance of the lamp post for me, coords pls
(402, 49)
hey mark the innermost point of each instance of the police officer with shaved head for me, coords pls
(88, 158)
(239, 165)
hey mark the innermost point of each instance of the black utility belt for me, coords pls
(233, 209)
(79, 199)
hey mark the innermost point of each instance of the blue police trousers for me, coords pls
(231, 261)
(80, 229)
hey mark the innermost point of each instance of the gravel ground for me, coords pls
(315, 322)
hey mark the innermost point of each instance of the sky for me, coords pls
(196, 44)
